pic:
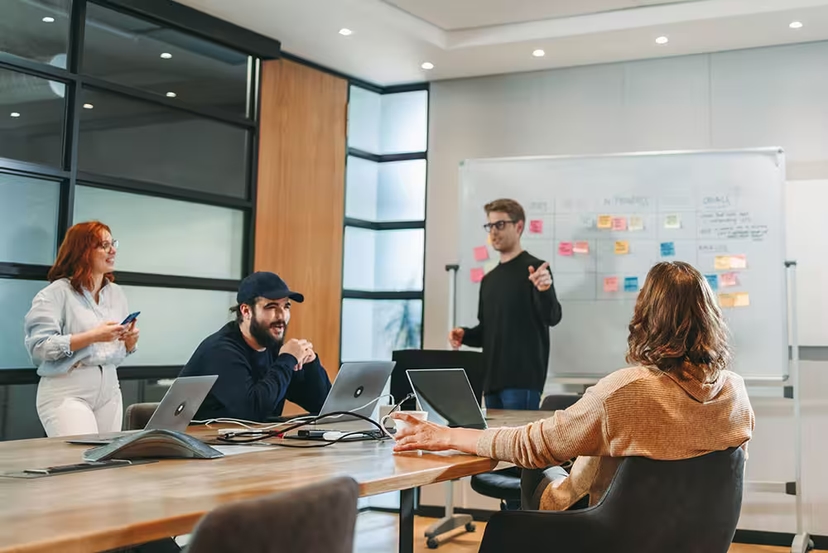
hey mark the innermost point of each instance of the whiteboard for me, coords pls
(721, 211)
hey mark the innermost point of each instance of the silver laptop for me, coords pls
(175, 412)
(357, 387)
(447, 396)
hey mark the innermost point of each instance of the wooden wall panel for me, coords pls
(301, 196)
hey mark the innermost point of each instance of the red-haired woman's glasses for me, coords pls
(106, 246)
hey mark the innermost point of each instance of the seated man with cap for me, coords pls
(257, 370)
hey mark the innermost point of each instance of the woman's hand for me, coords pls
(428, 436)
(130, 336)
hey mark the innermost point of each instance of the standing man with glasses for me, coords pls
(517, 306)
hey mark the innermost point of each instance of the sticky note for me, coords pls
(636, 222)
(565, 248)
(477, 274)
(729, 279)
(481, 253)
(742, 299)
(727, 300)
(610, 284)
(491, 264)
(605, 221)
(672, 222)
(536, 226)
(619, 223)
(738, 262)
(622, 247)
(631, 284)
(581, 247)
(668, 249)
(713, 281)
(722, 262)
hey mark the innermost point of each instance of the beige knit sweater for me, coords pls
(638, 411)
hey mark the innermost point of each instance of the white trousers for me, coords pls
(86, 400)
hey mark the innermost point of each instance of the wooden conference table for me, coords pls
(116, 507)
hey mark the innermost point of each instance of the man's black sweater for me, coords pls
(513, 330)
(253, 385)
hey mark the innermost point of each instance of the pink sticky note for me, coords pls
(610, 284)
(619, 223)
(536, 226)
(728, 279)
(565, 248)
(481, 253)
(477, 274)
(581, 247)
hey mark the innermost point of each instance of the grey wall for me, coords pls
(762, 97)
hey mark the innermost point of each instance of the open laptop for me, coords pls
(356, 388)
(175, 412)
(447, 396)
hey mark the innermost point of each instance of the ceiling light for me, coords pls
(538, 53)
(14, 114)
(88, 106)
(48, 19)
(427, 65)
(662, 40)
(166, 55)
(346, 32)
(796, 25)
(171, 94)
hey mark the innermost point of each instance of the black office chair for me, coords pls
(688, 506)
(504, 484)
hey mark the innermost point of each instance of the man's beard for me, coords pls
(261, 333)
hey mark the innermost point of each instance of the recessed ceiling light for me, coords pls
(166, 55)
(795, 25)
(88, 106)
(427, 65)
(14, 114)
(171, 94)
(539, 53)
(345, 32)
(662, 40)
(48, 19)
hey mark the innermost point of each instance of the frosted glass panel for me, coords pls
(384, 192)
(383, 260)
(173, 322)
(404, 122)
(364, 111)
(373, 329)
(167, 237)
(15, 301)
(28, 219)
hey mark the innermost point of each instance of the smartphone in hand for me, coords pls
(131, 317)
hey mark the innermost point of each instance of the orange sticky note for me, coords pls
(581, 247)
(605, 221)
(565, 248)
(622, 247)
(536, 226)
(477, 274)
(728, 279)
(619, 223)
(722, 263)
(481, 253)
(727, 300)
(610, 284)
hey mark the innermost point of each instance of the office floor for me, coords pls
(377, 533)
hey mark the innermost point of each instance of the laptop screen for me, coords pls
(447, 397)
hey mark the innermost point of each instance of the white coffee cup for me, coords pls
(400, 424)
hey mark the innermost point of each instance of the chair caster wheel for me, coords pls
(432, 543)
(470, 527)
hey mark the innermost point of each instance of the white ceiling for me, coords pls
(389, 44)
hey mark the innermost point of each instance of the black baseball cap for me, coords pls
(266, 285)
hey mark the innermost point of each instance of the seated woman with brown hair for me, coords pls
(679, 401)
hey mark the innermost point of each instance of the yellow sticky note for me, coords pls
(636, 222)
(742, 299)
(622, 247)
(605, 221)
(727, 300)
(722, 262)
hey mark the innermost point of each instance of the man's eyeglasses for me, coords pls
(499, 225)
(106, 246)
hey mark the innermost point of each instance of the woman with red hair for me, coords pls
(74, 336)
